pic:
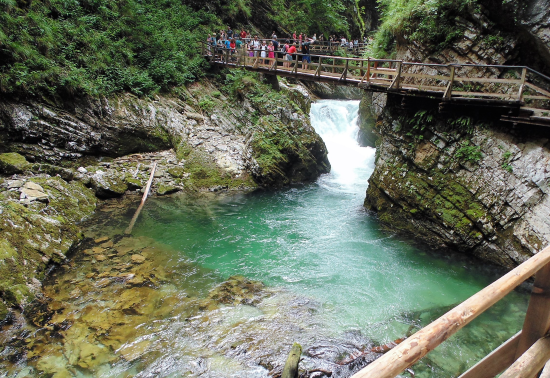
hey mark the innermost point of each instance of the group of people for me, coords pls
(229, 40)
(267, 50)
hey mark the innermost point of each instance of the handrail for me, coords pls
(418, 345)
(499, 86)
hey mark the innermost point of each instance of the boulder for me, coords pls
(12, 162)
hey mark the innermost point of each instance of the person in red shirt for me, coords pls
(294, 37)
(291, 50)
(243, 34)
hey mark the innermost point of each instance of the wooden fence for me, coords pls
(522, 356)
(491, 84)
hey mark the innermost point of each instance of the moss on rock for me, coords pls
(12, 162)
(36, 234)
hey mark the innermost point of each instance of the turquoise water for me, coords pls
(336, 281)
(317, 241)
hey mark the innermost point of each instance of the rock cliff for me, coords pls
(462, 181)
(56, 159)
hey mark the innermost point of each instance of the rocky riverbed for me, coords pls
(59, 159)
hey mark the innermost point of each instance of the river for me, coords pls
(335, 281)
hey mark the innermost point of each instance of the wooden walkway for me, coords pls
(524, 92)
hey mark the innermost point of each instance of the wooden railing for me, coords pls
(523, 355)
(465, 82)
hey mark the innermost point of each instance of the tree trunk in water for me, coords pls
(291, 366)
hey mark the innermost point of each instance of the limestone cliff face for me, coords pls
(57, 159)
(463, 182)
(202, 121)
(495, 32)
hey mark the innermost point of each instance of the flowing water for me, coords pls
(333, 280)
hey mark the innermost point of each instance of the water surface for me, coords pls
(335, 281)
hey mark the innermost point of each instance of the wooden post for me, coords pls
(537, 318)
(425, 340)
(395, 82)
(333, 64)
(531, 362)
(449, 90)
(522, 86)
(291, 366)
(368, 69)
(361, 70)
(345, 73)
(226, 56)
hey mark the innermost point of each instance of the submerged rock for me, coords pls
(238, 290)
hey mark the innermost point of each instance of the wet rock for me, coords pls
(104, 282)
(107, 185)
(12, 162)
(163, 189)
(138, 259)
(101, 240)
(33, 192)
(238, 290)
(92, 355)
(101, 257)
(108, 244)
(15, 184)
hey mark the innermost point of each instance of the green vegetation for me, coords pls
(99, 46)
(431, 23)
(466, 152)
(313, 16)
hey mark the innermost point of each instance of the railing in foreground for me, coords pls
(523, 355)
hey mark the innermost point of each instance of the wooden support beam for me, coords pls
(522, 85)
(531, 362)
(495, 362)
(396, 80)
(345, 73)
(537, 318)
(449, 91)
(417, 346)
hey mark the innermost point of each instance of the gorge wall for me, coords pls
(58, 159)
(462, 179)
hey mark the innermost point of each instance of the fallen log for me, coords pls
(291, 366)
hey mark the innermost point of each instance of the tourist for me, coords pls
(300, 38)
(294, 37)
(284, 49)
(290, 54)
(250, 49)
(256, 45)
(314, 38)
(271, 52)
(229, 33)
(273, 35)
(306, 58)
(243, 34)
(263, 52)
(209, 44)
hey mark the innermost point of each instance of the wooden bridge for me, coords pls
(523, 93)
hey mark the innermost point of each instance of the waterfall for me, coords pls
(337, 123)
